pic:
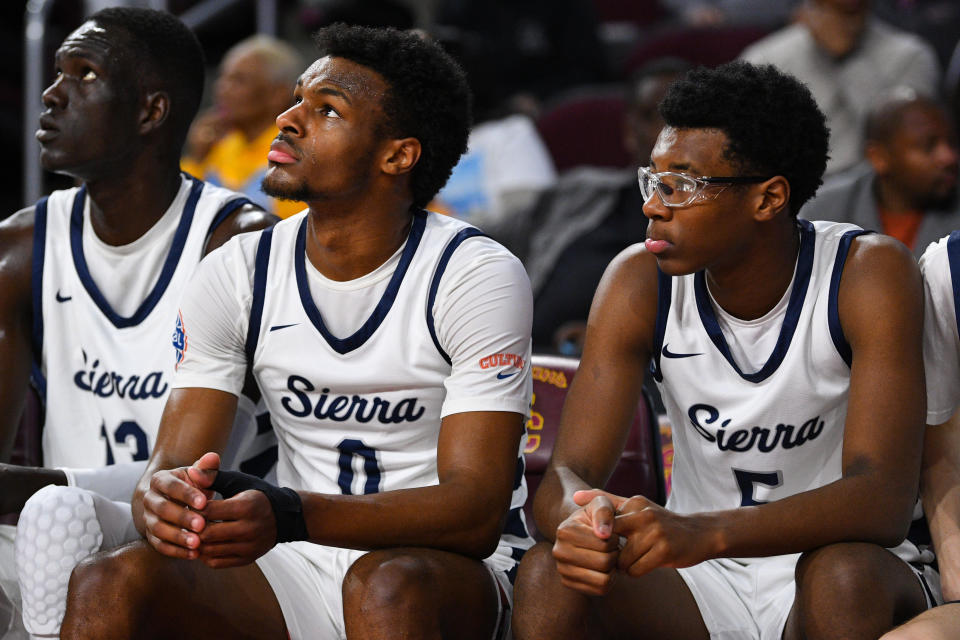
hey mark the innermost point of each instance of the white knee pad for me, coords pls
(58, 528)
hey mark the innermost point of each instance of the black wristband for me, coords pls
(285, 502)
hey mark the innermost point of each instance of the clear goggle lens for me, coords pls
(674, 188)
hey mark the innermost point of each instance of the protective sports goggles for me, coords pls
(680, 190)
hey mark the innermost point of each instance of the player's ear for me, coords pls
(401, 156)
(773, 196)
(154, 111)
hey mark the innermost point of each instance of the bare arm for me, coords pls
(464, 513)
(940, 488)
(194, 422)
(603, 397)
(18, 483)
(16, 252)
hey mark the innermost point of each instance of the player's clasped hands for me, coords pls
(634, 535)
(183, 520)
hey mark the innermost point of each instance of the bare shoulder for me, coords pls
(18, 224)
(247, 218)
(877, 264)
(625, 305)
(881, 290)
(16, 248)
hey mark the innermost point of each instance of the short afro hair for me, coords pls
(428, 97)
(771, 121)
(167, 56)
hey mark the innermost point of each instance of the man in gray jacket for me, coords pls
(907, 185)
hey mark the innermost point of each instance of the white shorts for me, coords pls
(307, 580)
(739, 601)
(752, 600)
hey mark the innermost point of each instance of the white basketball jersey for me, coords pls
(742, 437)
(105, 377)
(361, 414)
(748, 437)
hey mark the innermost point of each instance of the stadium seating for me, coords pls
(708, 46)
(640, 470)
(586, 127)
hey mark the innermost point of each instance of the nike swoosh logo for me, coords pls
(504, 376)
(63, 298)
(669, 354)
(277, 327)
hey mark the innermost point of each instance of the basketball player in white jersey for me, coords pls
(393, 345)
(90, 284)
(940, 476)
(788, 355)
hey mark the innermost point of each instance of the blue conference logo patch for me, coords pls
(179, 340)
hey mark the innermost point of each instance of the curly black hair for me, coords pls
(771, 121)
(166, 55)
(428, 98)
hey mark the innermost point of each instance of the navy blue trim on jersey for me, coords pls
(664, 295)
(833, 312)
(801, 282)
(225, 212)
(166, 273)
(517, 554)
(39, 381)
(953, 256)
(261, 464)
(456, 241)
(36, 290)
(259, 292)
(518, 473)
(514, 524)
(361, 335)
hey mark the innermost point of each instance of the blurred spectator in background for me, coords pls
(936, 21)
(590, 216)
(506, 167)
(228, 144)
(907, 186)
(848, 58)
(710, 13)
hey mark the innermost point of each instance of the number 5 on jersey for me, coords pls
(748, 481)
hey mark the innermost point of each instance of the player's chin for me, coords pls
(675, 265)
(53, 159)
(278, 183)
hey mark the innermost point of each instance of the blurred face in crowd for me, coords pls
(246, 94)
(920, 158)
(643, 121)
